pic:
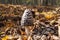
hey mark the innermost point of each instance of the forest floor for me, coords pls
(46, 23)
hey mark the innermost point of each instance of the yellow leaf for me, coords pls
(48, 15)
(5, 38)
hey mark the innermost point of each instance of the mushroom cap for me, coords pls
(27, 18)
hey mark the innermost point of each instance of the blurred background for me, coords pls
(32, 2)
